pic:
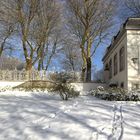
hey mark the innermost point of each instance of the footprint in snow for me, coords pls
(75, 104)
(46, 127)
(66, 111)
(38, 120)
(52, 115)
(63, 107)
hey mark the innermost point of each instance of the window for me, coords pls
(106, 67)
(122, 59)
(115, 64)
(110, 68)
(122, 85)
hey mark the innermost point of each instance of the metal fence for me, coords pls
(15, 75)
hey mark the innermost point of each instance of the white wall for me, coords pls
(133, 43)
(120, 76)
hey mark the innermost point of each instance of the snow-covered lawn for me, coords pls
(39, 116)
(11, 84)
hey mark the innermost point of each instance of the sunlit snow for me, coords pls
(42, 116)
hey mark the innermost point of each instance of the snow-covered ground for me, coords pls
(40, 116)
(11, 84)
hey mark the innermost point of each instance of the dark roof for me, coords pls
(130, 24)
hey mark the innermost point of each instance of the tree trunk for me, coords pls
(2, 46)
(88, 71)
(28, 64)
(1, 50)
(83, 74)
(48, 63)
(39, 65)
(84, 65)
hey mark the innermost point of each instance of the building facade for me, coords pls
(122, 58)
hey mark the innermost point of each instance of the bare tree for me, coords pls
(10, 63)
(23, 11)
(47, 32)
(89, 21)
(55, 49)
(4, 36)
(7, 28)
(72, 60)
(35, 19)
(133, 6)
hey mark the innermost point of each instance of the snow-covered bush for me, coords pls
(63, 77)
(61, 85)
(65, 90)
(115, 94)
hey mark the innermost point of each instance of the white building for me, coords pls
(122, 57)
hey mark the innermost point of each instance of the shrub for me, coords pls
(62, 77)
(115, 94)
(65, 90)
(62, 86)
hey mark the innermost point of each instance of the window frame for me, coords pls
(110, 68)
(122, 59)
(115, 64)
(122, 85)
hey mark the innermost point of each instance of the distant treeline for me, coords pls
(10, 63)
